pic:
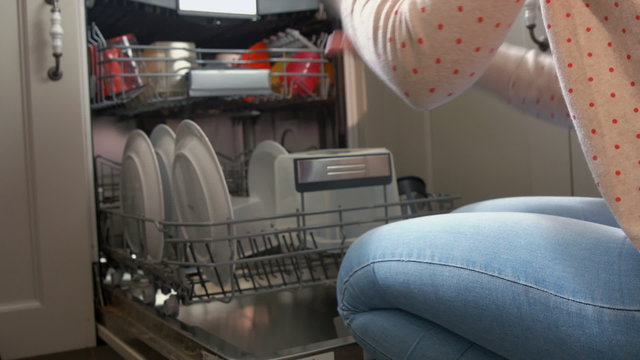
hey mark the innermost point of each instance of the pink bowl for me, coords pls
(303, 84)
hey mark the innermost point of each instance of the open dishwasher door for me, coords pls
(284, 325)
(274, 298)
(250, 284)
(241, 81)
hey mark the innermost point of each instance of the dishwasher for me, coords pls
(229, 253)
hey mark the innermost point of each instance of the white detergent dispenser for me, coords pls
(317, 183)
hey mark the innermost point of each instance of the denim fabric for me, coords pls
(582, 208)
(488, 280)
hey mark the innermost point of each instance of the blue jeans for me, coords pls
(516, 278)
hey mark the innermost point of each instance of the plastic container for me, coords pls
(120, 72)
(173, 58)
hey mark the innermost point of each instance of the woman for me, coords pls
(521, 278)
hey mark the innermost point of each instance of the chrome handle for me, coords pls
(341, 172)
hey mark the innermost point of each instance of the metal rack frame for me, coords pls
(111, 89)
(279, 259)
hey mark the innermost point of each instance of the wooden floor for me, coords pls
(96, 353)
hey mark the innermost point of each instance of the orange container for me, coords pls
(256, 55)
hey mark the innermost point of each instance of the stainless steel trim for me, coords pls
(264, 7)
(118, 345)
(304, 320)
(283, 6)
(343, 168)
(337, 167)
(229, 82)
(348, 172)
(170, 4)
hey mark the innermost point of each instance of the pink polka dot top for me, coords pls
(430, 51)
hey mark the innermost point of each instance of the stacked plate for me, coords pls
(201, 196)
(142, 196)
(176, 177)
(262, 188)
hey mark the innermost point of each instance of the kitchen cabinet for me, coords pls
(46, 191)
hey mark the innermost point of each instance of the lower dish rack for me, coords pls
(237, 257)
(222, 296)
(271, 259)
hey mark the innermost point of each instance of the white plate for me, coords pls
(164, 143)
(141, 195)
(163, 140)
(201, 195)
(261, 174)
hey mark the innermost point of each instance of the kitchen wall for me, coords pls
(389, 122)
(477, 145)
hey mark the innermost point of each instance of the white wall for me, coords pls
(388, 122)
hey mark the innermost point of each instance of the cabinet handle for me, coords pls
(531, 9)
(56, 32)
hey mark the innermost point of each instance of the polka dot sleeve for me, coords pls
(595, 44)
(428, 51)
(527, 79)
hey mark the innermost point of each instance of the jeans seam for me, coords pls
(465, 351)
(375, 276)
(348, 278)
(413, 346)
(361, 339)
(344, 288)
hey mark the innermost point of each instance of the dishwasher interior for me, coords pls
(229, 253)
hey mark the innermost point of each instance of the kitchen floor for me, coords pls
(96, 353)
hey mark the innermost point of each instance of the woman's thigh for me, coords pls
(582, 208)
(522, 285)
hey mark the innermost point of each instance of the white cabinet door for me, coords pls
(46, 206)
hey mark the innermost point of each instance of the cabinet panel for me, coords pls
(15, 185)
(46, 190)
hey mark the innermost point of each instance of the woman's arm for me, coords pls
(527, 79)
(595, 45)
(428, 51)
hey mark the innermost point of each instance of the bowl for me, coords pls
(169, 57)
(300, 79)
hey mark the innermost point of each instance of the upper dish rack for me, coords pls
(268, 257)
(143, 78)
